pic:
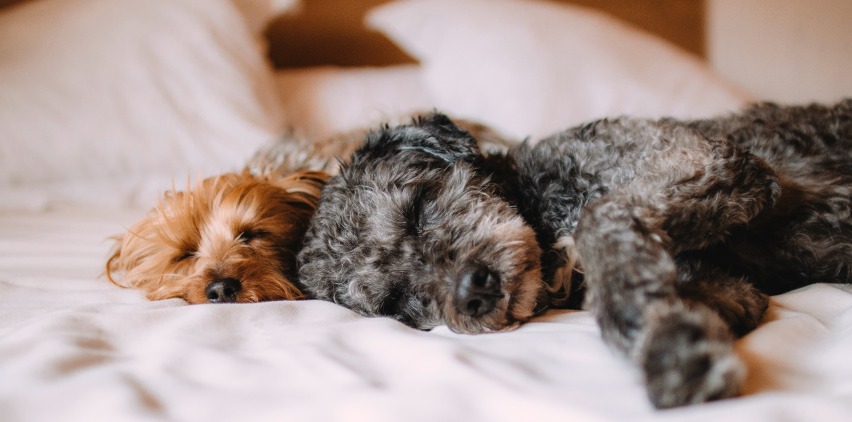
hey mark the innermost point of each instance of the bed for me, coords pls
(106, 103)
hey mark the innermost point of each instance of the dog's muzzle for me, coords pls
(478, 291)
(223, 290)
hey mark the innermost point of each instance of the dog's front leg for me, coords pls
(683, 346)
(690, 198)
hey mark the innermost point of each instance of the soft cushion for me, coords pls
(323, 101)
(98, 91)
(531, 67)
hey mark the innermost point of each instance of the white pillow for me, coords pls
(531, 68)
(105, 90)
(323, 101)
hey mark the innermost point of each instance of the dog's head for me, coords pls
(414, 228)
(231, 238)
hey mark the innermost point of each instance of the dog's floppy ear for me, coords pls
(304, 186)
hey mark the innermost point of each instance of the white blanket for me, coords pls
(105, 102)
(75, 347)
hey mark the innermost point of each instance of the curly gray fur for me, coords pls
(671, 232)
(293, 152)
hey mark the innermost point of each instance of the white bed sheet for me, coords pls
(75, 347)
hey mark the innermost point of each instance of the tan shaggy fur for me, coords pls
(239, 226)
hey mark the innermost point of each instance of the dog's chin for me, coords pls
(245, 296)
(493, 322)
(479, 328)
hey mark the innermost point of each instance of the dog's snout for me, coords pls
(223, 290)
(478, 291)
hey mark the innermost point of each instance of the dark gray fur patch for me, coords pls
(671, 232)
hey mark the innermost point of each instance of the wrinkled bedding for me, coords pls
(107, 103)
(75, 347)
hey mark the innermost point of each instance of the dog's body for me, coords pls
(677, 230)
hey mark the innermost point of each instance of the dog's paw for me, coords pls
(565, 258)
(688, 358)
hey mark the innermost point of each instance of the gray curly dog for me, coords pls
(671, 232)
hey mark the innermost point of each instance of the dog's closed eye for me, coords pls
(413, 219)
(184, 256)
(417, 212)
(247, 235)
(391, 304)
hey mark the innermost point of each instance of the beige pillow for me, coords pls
(323, 101)
(105, 90)
(534, 67)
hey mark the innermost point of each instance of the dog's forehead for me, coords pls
(393, 182)
(427, 139)
(409, 169)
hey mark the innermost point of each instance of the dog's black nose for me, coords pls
(478, 291)
(223, 290)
